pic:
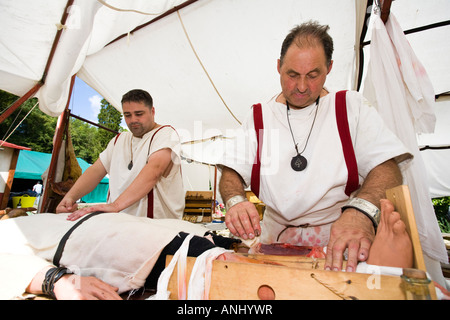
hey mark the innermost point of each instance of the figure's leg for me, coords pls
(392, 246)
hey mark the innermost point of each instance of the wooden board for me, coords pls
(304, 278)
(293, 261)
(401, 199)
(289, 283)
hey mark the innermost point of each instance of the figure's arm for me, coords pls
(242, 218)
(74, 287)
(159, 164)
(354, 230)
(84, 185)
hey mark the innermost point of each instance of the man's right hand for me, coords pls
(66, 205)
(242, 220)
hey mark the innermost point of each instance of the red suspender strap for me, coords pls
(150, 204)
(150, 196)
(115, 141)
(346, 140)
(258, 120)
(117, 137)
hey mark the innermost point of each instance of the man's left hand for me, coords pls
(110, 207)
(353, 231)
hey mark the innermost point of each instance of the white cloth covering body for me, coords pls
(122, 254)
(169, 198)
(117, 248)
(313, 196)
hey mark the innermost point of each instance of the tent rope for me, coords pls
(4, 140)
(204, 69)
(103, 2)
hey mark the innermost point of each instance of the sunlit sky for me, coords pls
(85, 101)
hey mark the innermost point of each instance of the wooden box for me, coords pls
(199, 206)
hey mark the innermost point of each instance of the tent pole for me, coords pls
(165, 14)
(215, 184)
(9, 181)
(361, 47)
(57, 142)
(20, 101)
(56, 40)
(92, 123)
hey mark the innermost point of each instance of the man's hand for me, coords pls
(110, 207)
(73, 287)
(242, 220)
(66, 205)
(353, 231)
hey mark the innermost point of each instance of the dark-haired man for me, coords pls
(144, 167)
(304, 169)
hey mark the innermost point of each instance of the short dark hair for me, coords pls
(138, 95)
(307, 34)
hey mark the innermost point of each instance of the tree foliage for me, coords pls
(38, 129)
(111, 118)
(442, 210)
(35, 132)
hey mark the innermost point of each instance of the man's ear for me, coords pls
(330, 66)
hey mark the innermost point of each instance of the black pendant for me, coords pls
(130, 165)
(299, 163)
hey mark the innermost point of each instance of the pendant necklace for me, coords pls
(130, 165)
(299, 162)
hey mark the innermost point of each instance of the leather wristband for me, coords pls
(234, 201)
(365, 207)
(51, 276)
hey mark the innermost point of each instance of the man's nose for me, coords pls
(133, 119)
(302, 84)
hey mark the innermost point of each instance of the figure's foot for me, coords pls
(392, 246)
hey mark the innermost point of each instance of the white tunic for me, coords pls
(315, 195)
(168, 193)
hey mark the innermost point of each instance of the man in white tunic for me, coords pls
(303, 173)
(144, 167)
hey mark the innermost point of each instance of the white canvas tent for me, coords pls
(237, 43)
(207, 61)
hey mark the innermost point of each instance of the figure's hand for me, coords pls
(353, 231)
(74, 287)
(66, 205)
(242, 220)
(110, 207)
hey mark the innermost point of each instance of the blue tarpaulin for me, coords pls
(32, 164)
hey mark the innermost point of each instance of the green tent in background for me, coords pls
(32, 164)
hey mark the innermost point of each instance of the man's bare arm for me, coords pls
(84, 185)
(383, 177)
(242, 219)
(231, 184)
(355, 231)
(159, 164)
